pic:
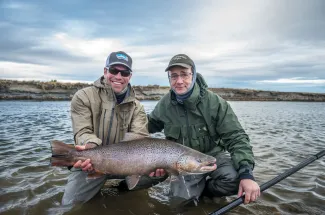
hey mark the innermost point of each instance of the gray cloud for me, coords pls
(233, 43)
(297, 20)
(24, 45)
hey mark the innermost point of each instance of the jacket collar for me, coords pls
(108, 93)
(191, 101)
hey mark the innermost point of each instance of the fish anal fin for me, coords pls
(132, 181)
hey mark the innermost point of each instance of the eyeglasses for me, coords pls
(183, 76)
(124, 73)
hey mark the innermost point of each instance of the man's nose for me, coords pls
(179, 79)
(118, 75)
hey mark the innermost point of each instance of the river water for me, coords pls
(282, 135)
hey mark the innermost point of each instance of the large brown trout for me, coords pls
(136, 157)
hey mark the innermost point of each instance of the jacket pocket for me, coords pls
(172, 132)
(124, 117)
(201, 139)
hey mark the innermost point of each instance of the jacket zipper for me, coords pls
(110, 126)
(103, 125)
(188, 128)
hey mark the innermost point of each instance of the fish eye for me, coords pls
(199, 160)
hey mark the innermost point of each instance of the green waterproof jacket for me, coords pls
(97, 118)
(204, 122)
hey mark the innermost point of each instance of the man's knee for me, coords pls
(226, 175)
(224, 180)
(222, 186)
(79, 189)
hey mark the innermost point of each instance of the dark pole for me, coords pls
(270, 183)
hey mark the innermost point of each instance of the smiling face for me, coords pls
(118, 81)
(180, 79)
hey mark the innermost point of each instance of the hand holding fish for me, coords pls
(158, 173)
(251, 190)
(86, 165)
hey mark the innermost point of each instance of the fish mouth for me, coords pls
(209, 166)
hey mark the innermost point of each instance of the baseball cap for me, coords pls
(180, 60)
(119, 58)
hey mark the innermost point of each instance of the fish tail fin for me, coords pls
(61, 154)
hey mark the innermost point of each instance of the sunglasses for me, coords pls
(124, 73)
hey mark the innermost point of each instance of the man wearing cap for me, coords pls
(101, 115)
(192, 115)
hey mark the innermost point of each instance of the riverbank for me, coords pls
(53, 90)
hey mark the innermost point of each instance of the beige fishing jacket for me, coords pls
(97, 118)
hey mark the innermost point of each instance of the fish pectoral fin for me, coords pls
(172, 172)
(132, 181)
(95, 175)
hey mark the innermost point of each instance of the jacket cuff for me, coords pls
(245, 172)
(83, 140)
(95, 140)
(93, 143)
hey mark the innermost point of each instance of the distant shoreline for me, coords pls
(59, 91)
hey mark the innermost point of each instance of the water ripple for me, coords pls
(282, 135)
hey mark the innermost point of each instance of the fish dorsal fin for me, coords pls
(132, 181)
(132, 136)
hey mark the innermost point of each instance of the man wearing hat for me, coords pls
(192, 115)
(101, 115)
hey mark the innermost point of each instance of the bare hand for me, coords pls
(251, 190)
(86, 165)
(158, 173)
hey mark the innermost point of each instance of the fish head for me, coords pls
(195, 162)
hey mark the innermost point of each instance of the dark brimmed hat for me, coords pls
(180, 60)
(119, 58)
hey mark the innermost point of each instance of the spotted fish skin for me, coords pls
(136, 157)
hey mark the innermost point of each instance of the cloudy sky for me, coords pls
(268, 45)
